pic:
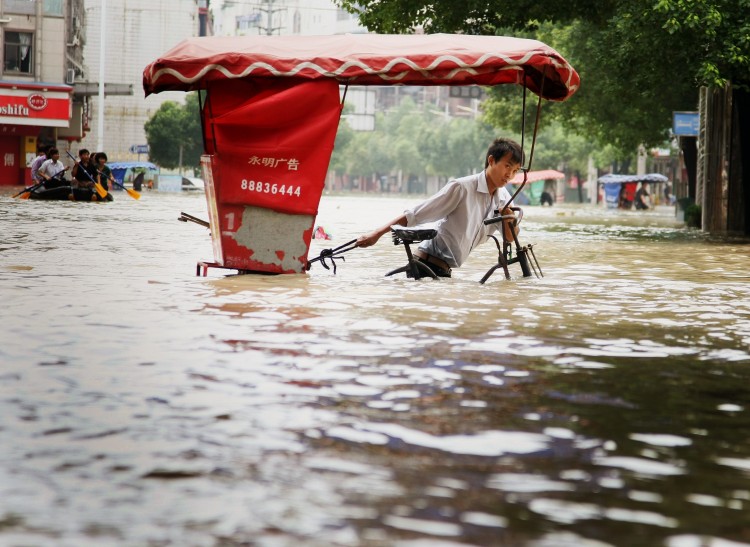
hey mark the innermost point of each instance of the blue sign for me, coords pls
(139, 149)
(685, 124)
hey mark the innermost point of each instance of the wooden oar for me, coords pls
(133, 194)
(98, 187)
(26, 192)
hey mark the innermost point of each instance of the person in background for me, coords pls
(460, 206)
(138, 181)
(84, 171)
(103, 171)
(668, 196)
(41, 157)
(642, 198)
(51, 168)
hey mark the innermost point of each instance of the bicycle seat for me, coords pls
(411, 235)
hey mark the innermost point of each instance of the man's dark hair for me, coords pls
(82, 151)
(500, 147)
(52, 151)
(100, 155)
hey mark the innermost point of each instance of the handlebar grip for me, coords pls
(493, 220)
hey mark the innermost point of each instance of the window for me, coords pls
(245, 22)
(18, 54)
(53, 7)
(24, 7)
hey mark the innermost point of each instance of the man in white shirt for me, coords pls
(53, 166)
(461, 207)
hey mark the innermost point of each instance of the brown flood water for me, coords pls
(605, 404)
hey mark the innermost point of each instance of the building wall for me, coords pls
(51, 58)
(137, 32)
(49, 38)
(285, 17)
(20, 131)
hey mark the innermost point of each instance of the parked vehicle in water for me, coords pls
(192, 183)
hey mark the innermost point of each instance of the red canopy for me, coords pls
(538, 175)
(365, 59)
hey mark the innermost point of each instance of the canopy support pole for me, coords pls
(533, 137)
(203, 123)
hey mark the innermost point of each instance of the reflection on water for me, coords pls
(604, 404)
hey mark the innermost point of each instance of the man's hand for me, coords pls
(368, 240)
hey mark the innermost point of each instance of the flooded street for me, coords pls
(607, 403)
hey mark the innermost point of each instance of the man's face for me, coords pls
(85, 157)
(503, 170)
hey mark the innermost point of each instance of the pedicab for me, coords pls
(270, 107)
(619, 190)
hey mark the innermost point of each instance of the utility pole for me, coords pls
(269, 12)
(100, 102)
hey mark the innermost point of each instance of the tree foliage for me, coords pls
(419, 141)
(173, 127)
(638, 60)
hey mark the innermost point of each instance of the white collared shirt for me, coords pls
(51, 167)
(460, 207)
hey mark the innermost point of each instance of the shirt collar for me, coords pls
(482, 183)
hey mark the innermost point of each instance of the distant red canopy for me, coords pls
(534, 176)
(365, 59)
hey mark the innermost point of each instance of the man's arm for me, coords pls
(430, 210)
(42, 171)
(370, 239)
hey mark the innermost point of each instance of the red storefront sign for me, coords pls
(33, 104)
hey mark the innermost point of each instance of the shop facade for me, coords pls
(41, 61)
(30, 114)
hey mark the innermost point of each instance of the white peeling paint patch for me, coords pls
(266, 232)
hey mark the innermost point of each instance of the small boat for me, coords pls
(59, 189)
(67, 193)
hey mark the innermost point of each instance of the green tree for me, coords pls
(426, 142)
(638, 60)
(408, 126)
(344, 136)
(455, 147)
(174, 134)
(368, 154)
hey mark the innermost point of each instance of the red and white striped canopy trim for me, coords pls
(365, 59)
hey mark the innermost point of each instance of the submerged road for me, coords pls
(605, 404)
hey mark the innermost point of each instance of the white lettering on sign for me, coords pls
(270, 188)
(9, 159)
(292, 164)
(13, 110)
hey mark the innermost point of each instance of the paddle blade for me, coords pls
(133, 194)
(25, 195)
(100, 190)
